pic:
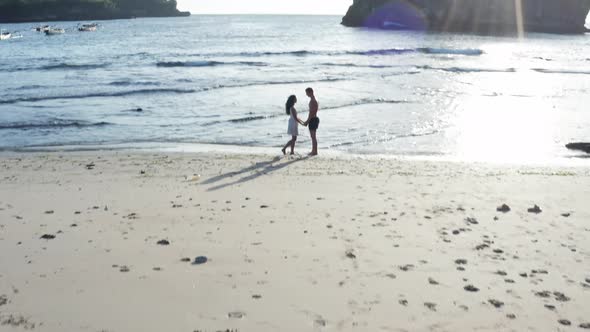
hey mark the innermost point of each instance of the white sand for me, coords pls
(344, 244)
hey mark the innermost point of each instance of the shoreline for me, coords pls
(572, 159)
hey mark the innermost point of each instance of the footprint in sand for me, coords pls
(407, 267)
(550, 307)
(543, 294)
(496, 303)
(320, 322)
(461, 261)
(430, 305)
(236, 315)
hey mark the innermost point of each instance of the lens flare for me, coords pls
(399, 15)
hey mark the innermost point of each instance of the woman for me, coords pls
(294, 122)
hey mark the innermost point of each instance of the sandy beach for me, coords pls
(153, 241)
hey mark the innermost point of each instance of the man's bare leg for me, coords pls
(314, 143)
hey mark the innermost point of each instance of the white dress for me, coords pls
(293, 129)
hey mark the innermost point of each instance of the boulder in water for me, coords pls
(580, 146)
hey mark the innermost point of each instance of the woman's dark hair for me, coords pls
(290, 103)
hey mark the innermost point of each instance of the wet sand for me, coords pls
(137, 241)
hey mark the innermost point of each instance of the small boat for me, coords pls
(5, 35)
(88, 27)
(55, 31)
(42, 28)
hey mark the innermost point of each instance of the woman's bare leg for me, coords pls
(293, 140)
(286, 146)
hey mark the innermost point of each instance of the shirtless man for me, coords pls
(313, 121)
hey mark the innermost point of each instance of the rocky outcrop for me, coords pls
(14, 11)
(472, 16)
(579, 146)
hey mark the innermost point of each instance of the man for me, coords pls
(312, 121)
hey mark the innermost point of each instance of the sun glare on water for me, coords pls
(499, 117)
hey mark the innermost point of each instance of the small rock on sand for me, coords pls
(503, 208)
(566, 215)
(432, 281)
(200, 260)
(48, 237)
(471, 288)
(535, 209)
(164, 242)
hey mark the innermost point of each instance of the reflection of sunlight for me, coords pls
(500, 119)
(504, 130)
(500, 55)
(519, 18)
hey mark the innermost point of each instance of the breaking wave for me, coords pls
(57, 123)
(96, 95)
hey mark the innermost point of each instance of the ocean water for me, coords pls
(225, 79)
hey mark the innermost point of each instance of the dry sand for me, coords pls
(291, 244)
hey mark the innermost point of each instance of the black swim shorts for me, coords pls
(314, 123)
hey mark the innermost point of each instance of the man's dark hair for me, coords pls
(309, 90)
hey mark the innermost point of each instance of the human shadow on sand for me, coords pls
(259, 169)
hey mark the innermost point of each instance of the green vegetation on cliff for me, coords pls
(57, 10)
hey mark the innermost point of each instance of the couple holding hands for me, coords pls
(312, 121)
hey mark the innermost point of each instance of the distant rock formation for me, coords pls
(13, 11)
(494, 17)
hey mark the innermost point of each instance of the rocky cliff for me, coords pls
(472, 16)
(79, 10)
